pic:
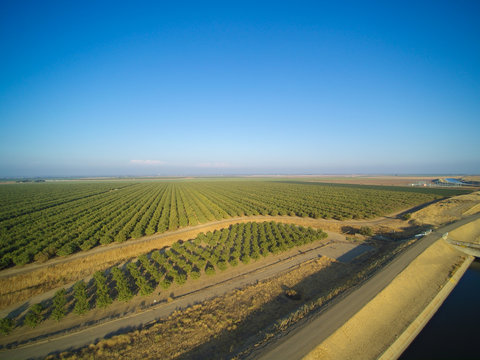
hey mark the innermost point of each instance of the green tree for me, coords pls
(6, 325)
(151, 269)
(166, 282)
(141, 282)
(195, 274)
(406, 216)
(59, 302)
(123, 289)
(245, 258)
(209, 269)
(222, 265)
(180, 278)
(103, 296)
(34, 316)
(81, 298)
(366, 231)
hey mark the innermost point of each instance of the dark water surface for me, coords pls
(453, 332)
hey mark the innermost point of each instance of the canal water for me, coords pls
(452, 333)
(454, 181)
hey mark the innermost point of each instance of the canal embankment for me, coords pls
(387, 324)
(454, 325)
(411, 332)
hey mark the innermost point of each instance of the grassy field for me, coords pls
(41, 221)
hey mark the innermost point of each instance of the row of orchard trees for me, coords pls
(87, 217)
(183, 261)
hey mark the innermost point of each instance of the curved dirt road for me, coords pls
(177, 234)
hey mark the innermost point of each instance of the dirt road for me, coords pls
(305, 337)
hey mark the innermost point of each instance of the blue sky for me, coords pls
(191, 88)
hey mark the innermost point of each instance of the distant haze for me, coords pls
(204, 88)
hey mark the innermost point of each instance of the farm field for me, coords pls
(41, 221)
(207, 254)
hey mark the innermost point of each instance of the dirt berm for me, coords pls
(468, 233)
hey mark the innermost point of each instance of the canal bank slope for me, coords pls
(390, 321)
(469, 233)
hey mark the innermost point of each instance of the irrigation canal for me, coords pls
(452, 333)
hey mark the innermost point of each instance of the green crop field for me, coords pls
(40, 221)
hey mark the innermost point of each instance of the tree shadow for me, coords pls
(19, 310)
(416, 208)
(91, 293)
(350, 230)
(351, 255)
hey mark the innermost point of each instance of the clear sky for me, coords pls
(177, 88)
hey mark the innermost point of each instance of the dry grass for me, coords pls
(472, 178)
(448, 210)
